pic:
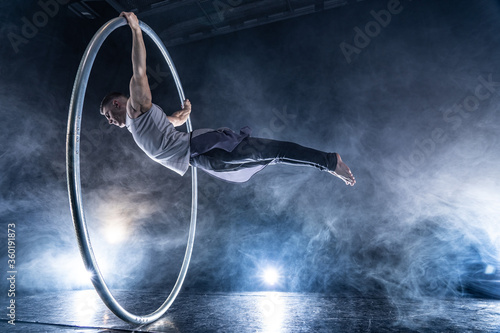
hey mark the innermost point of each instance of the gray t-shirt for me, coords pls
(157, 137)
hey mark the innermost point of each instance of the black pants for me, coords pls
(254, 152)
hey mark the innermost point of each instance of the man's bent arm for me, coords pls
(140, 93)
(180, 117)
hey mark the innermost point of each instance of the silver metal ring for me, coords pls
(73, 175)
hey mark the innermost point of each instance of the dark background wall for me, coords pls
(413, 111)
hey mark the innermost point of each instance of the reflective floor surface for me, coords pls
(83, 311)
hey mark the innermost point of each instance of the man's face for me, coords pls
(116, 113)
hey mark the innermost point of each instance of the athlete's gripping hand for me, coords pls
(187, 107)
(132, 19)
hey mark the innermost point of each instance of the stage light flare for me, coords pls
(115, 232)
(81, 275)
(270, 275)
(116, 220)
(490, 270)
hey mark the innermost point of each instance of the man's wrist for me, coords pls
(136, 29)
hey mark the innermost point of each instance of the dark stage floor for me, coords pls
(82, 311)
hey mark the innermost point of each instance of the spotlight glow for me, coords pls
(88, 275)
(270, 276)
(115, 233)
(490, 269)
(82, 276)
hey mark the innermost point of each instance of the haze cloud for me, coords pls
(420, 221)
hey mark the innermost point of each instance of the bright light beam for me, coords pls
(270, 276)
(81, 276)
(116, 233)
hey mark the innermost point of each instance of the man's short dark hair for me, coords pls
(108, 98)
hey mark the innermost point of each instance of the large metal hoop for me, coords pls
(73, 174)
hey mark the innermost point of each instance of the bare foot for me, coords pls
(343, 172)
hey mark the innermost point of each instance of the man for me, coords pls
(221, 153)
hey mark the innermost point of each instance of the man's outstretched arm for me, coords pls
(140, 93)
